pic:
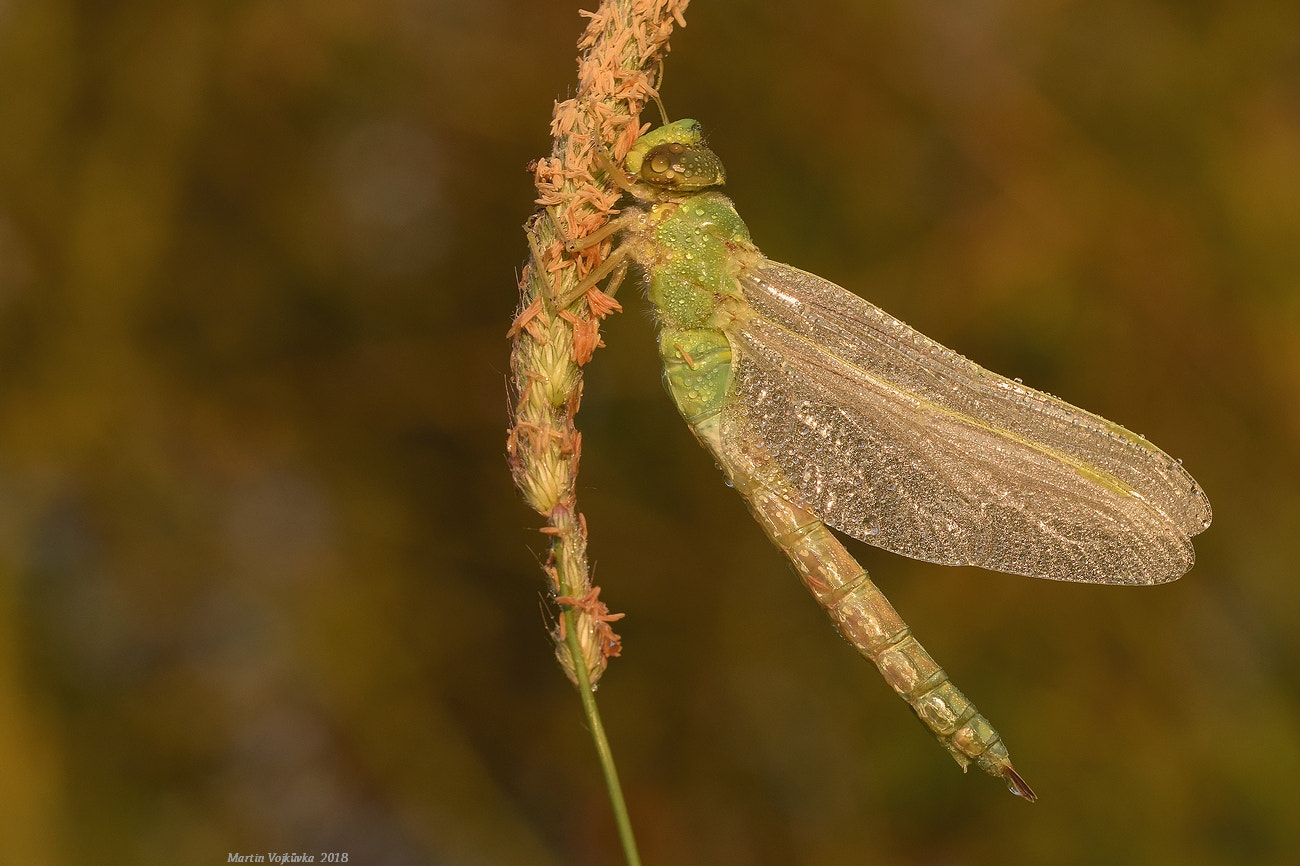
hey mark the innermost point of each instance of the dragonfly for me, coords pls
(823, 411)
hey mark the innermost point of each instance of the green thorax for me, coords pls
(698, 246)
(693, 246)
(691, 242)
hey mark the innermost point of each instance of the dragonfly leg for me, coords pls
(573, 245)
(616, 264)
(606, 162)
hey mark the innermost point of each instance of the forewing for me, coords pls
(898, 441)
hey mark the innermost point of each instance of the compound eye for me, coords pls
(681, 167)
(663, 165)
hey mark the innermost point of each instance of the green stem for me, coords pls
(624, 43)
(603, 751)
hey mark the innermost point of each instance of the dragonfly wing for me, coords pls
(898, 441)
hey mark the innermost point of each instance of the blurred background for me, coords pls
(265, 584)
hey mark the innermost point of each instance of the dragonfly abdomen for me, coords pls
(862, 614)
(866, 619)
(697, 370)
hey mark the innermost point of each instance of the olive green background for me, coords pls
(265, 584)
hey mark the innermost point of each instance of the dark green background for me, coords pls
(264, 581)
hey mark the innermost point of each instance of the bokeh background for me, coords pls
(265, 584)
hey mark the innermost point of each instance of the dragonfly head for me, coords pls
(674, 158)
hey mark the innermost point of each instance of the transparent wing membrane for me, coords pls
(898, 441)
